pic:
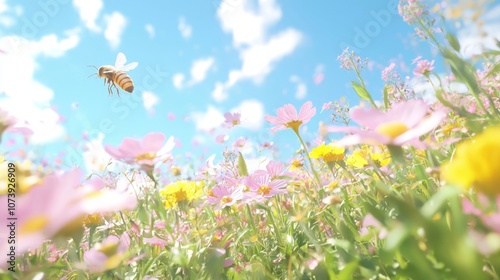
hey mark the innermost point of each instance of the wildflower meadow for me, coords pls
(399, 186)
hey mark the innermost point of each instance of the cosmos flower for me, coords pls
(58, 206)
(146, 152)
(260, 187)
(476, 163)
(275, 169)
(240, 142)
(403, 124)
(423, 68)
(221, 138)
(225, 195)
(108, 254)
(232, 119)
(287, 117)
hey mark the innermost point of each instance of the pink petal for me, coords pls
(130, 147)
(410, 112)
(368, 117)
(307, 112)
(288, 112)
(153, 142)
(422, 128)
(112, 151)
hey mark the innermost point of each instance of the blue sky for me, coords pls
(197, 60)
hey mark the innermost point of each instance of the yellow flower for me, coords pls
(328, 153)
(359, 158)
(476, 163)
(381, 159)
(296, 163)
(181, 191)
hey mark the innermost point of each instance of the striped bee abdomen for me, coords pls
(124, 81)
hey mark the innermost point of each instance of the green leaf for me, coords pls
(361, 91)
(437, 201)
(242, 166)
(348, 271)
(453, 42)
(386, 97)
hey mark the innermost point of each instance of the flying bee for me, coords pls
(115, 75)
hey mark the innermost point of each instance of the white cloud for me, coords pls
(200, 68)
(301, 90)
(149, 100)
(252, 114)
(3, 6)
(89, 12)
(184, 28)
(474, 41)
(258, 52)
(258, 60)
(178, 80)
(151, 30)
(206, 121)
(115, 25)
(245, 24)
(25, 98)
(219, 93)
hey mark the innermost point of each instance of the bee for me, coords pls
(115, 75)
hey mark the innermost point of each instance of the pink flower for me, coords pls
(288, 117)
(233, 119)
(224, 195)
(275, 169)
(240, 142)
(107, 255)
(404, 123)
(423, 68)
(146, 152)
(221, 138)
(58, 205)
(261, 187)
(387, 71)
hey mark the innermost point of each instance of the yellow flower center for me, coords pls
(263, 190)
(109, 249)
(33, 224)
(146, 156)
(210, 193)
(93, 219)
(226, 199)
(235, 122)
(393, 129)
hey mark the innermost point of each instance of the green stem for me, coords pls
(309, 158)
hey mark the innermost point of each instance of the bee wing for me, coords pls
(120, 60)
(129, 66)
